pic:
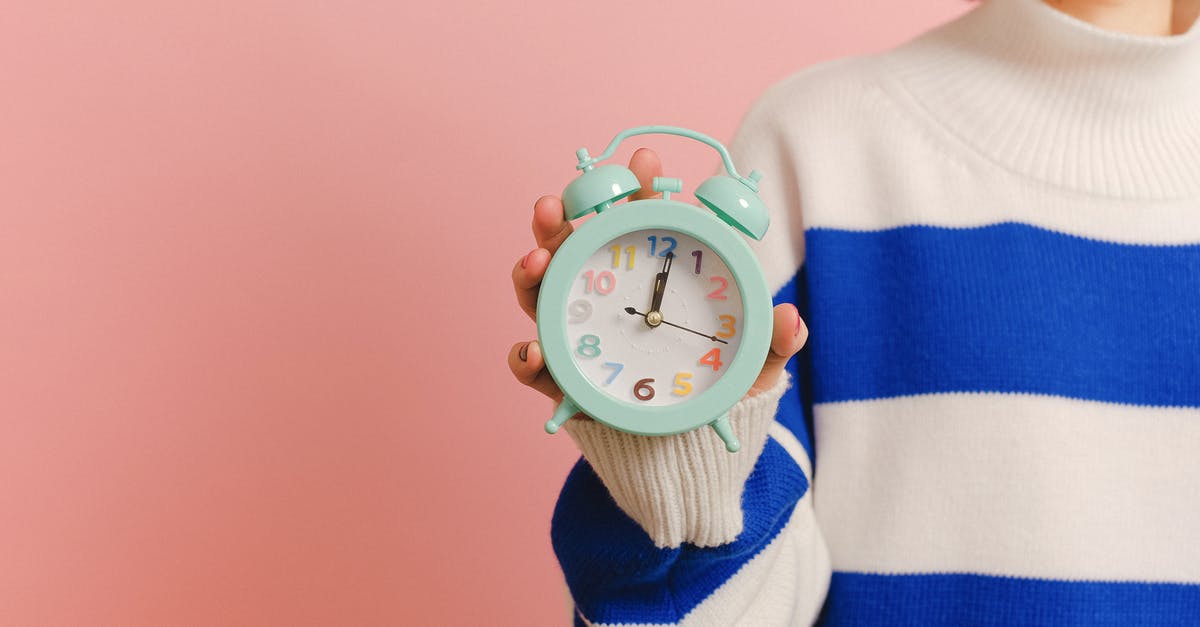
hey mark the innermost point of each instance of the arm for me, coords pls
(675, 529)
(774, 570)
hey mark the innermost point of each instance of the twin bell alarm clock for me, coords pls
(654, 316)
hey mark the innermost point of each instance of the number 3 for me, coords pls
(727, 326)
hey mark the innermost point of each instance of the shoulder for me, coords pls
(796, 128)
(822, 93)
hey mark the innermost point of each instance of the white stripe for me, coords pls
(785, 584)
(1010, 484)
(963, 190)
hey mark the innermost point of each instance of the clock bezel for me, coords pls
(669, 215)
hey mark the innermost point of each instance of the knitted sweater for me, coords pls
(993, 234)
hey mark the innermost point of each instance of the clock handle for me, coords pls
(562, 413)
(725, 432)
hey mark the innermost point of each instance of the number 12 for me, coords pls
(666, 240)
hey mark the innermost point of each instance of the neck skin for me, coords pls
(1135, 17)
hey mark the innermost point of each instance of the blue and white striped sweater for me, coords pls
(1001, 390)
(1017, 309)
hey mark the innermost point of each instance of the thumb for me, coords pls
(787, 338)
(645, 165)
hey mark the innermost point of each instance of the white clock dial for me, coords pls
(612, 327)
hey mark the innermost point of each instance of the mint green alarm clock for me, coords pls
(654, 316)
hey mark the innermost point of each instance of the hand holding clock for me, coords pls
(550, 230)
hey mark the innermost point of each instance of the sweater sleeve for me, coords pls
(676, 530)
(682, 488)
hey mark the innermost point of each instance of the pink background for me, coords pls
(254, 287)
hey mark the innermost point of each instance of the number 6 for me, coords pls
(642, 390)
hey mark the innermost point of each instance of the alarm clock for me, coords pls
(654, 316)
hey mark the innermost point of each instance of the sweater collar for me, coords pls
(1053, 97)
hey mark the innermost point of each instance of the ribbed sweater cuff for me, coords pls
(684, 487)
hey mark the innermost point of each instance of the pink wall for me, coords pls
(254, 294)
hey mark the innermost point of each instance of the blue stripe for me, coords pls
(617, 575)
(1007, 307)
(931, 600)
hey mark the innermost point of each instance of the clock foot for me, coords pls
(562, 413)
(725, 432)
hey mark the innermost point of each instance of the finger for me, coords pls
(525, 361)
(645, 165)
(787, 338)
(527, 276)
(550, 227)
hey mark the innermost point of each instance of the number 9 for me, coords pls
(579, 311)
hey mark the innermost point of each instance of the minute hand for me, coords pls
(634, 312)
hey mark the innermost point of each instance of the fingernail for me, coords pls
(524, 352)
(799, 322)
(525, 260)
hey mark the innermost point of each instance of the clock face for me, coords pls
(649, 356)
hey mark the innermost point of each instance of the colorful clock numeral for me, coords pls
(630, 253)
(642, 390)
(589, 346)
(617, 368)
(719, 293)
(666, 240)
(727, 326)
(712, 358)
(602, 283)
(579, 311)
(679, 378)
(683, 385)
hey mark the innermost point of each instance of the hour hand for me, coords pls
(660, 284)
